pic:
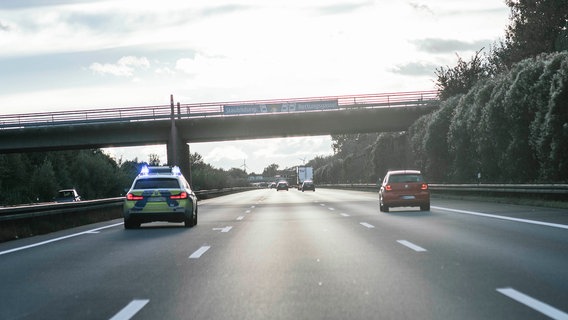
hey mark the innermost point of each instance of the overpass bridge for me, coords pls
(176, 125)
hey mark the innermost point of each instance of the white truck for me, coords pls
(303, 174)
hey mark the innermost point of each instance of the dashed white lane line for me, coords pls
(59, 239)
(541, 223)
(411, 245)
(225, 229)
(344, 214)
(365, 224)
(197, 254)
(534, 304)
(248, 211)
(331, 209)
(130, 310)
(240, 218)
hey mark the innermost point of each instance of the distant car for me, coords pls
(282, 185)
(272, 185)
(160, 194)
(308, 185)
(67, 195)
(404, 188)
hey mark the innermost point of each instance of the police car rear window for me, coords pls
(157, 183)
(404, 178)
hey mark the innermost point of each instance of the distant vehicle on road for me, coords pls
(304, 174)
(308, 185)
(404, 188)
(160, 194)
(67, 195)
(282, 185)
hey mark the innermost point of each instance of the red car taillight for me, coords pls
(388, 187)
(182, 195)
(424, 186)
(132, 197)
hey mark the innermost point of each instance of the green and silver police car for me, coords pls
(160, 194)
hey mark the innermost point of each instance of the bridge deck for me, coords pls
(210, 109)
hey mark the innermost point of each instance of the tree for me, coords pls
(44, 183)
(153, 159)
(271, 170)
(462, 77)
(535, 27)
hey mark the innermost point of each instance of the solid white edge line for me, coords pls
(199, 252)
(532, 303)
(548, 224)
(411, 245)
(59, 239)
(130, 310)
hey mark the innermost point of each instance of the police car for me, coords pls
(160, 194)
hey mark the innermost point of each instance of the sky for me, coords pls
(62, 55)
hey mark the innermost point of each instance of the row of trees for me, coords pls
(33, 177)
(36, 177)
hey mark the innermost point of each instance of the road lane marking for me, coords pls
(240, 217)
(344, 214)
(59, 239)
(197, 254)
(411, 245)
(365, 224)
(225, 229)
(322, 204)
(332, 209)
(130, 310)
(532, 303)
(547, 224)
(248, 211)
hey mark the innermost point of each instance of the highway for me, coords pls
(329, 254)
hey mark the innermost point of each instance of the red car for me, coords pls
(404, 188)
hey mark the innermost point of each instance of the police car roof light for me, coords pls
(145, 170)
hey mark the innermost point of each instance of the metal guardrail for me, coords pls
(541, 189)
(212, 109)
(36, 210)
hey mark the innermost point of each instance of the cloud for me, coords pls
(421, 7)
(434, 45)
(342, 8)
(4, 26)
(415, 69)
(125, 67)
(226, 152)
(225, 9)
(19, 4)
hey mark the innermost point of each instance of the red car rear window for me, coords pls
(405, 178)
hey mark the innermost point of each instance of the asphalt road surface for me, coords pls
(329, 254)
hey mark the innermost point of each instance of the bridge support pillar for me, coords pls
(177, 149)
(178, 154)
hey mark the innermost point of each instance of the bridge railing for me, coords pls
(161, 112)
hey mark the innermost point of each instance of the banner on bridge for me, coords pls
(281, 107)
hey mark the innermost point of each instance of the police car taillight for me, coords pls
(133, 197)
(182, 195)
